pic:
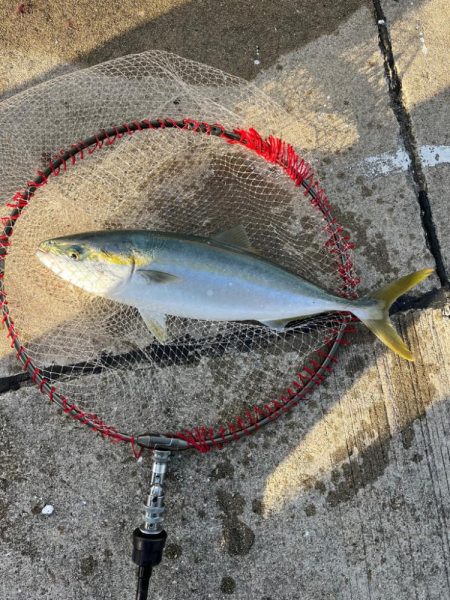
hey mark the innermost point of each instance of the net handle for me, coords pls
(273, 150)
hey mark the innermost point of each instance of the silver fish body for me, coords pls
(218, 279)
(213, 281)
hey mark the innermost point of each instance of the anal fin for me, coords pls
(156, 323)
(277, 324)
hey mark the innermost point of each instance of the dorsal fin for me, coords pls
(236, 236)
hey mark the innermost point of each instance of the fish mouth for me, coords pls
(42, 255)
(45, 246)
(48, 253)
(50, 259)
(46, 259)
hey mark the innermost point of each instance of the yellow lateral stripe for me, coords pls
(120, 259)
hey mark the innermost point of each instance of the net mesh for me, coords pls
(99, 353)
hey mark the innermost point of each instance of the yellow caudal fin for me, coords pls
(376, 315)
(389, 293)
(385, 332)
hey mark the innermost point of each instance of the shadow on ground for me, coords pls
(225, 35)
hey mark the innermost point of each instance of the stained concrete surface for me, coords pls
(348, 497)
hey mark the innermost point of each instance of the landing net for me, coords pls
(153, 141)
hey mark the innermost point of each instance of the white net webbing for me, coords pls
(161, 179)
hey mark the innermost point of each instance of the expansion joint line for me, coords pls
(406, 131)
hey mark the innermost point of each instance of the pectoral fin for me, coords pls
(277, 325)
(153, 276)
(156, 324)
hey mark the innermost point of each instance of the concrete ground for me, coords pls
(349, 497)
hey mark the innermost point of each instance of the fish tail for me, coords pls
(374, 311)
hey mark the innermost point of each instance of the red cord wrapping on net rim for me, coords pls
(338, 244)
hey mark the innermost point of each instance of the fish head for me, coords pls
(92, 262)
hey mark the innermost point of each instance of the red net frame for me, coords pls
(312, 374)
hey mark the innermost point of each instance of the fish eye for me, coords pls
(74, 253)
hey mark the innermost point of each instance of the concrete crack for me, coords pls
(404, 120)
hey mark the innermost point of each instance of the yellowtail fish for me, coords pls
(219, 279)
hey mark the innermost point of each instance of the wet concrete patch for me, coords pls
(88, 566)
(173, 551)
(227, 585)
(355, 475)
(238, 538)
(223, 470)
